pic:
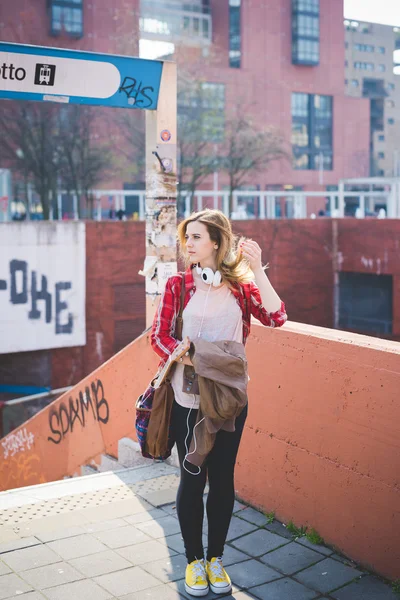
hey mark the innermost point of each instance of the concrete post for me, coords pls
(261, 198)
(98, 207)
(75, 205)
(59, 206)
(341, 199)
(161, 191)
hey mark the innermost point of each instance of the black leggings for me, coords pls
(219, 466)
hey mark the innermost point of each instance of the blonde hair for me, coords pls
(234, 268)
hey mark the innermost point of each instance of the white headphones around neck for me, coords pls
(208, 275)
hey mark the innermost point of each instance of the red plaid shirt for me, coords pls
(247, 296)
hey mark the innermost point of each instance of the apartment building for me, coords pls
(370, 73)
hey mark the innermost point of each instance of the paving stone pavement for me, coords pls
(113, 537)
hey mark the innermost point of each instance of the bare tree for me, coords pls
(198, 130)
(52, 146)
(29, 135)
(84, 159)
(248, 149)
(129, 155)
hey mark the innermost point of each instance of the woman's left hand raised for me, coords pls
(252, 251)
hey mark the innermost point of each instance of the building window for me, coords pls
(346, 81)
(364, 66)
(312, 131)
(390, 86)
(235, 41)
(391, 121)
(381, 138)
(381, 155)
(201, 110)
(67, 16)
(365, 302)
(355, 82)
(381, 68)
(305, 32)
(364, 47)
(174, 19)
(381, 49)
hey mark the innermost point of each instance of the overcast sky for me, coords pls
(376, 11)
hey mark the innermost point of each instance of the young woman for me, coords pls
(225, 284)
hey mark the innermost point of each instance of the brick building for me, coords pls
(283, 61)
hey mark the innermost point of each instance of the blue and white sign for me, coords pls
(70, 76)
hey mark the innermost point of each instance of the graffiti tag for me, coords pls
(17, 442)
(135, 93)
(92, 402)
(20, 291)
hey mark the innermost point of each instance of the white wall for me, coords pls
(51, 312)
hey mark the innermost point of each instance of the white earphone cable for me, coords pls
(194, 401)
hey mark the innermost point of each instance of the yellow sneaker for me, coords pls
(220, 582)
(196, 579)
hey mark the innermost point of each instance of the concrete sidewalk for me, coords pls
(116, 535)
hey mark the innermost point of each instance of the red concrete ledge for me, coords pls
(320, 446)
(80, 425)
(322, 440)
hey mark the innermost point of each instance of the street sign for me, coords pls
(74, 77)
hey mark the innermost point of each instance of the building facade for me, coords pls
(369, 73)
(281, 61)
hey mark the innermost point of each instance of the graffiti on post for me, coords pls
(88, 404)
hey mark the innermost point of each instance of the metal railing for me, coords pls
(266, 204)
(254, 204)
(15, 412)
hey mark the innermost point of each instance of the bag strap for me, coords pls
(179, 319)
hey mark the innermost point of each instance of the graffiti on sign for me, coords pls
(17, 442)
(89, 403)
(136, 94)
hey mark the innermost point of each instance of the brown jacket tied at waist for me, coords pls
(221, 368)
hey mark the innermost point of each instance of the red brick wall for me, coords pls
(373, 246)
(301, 254)
(115, 298)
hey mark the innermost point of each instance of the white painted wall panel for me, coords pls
(42, 285)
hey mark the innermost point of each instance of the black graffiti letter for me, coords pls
(128, 86)
(100, 401)
(85, 400)
(145, 96)
(74, 413)
(60, 306)
(42, 294)
(53, 414)
(64, 426)
(21, 297)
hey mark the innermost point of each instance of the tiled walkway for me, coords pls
(116, 535)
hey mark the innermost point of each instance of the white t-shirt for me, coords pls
(222, 321)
